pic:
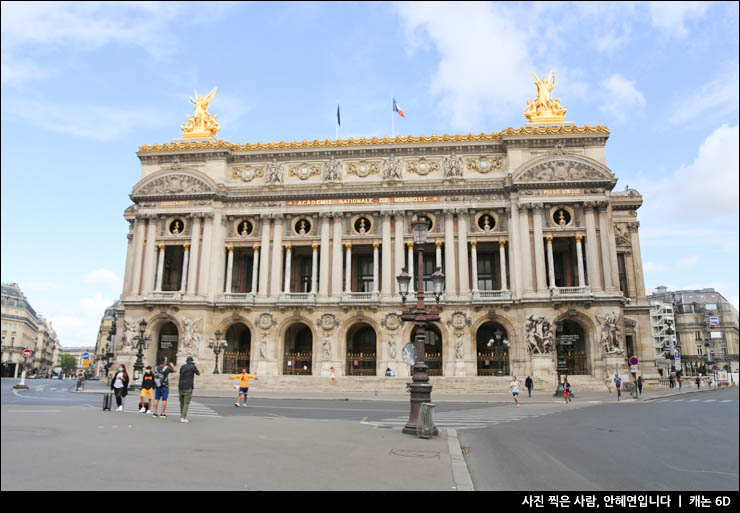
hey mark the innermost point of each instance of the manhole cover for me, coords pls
(415, 454)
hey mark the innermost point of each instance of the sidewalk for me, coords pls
(538, 395)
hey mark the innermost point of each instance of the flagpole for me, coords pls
(336, 136)
(393, 121)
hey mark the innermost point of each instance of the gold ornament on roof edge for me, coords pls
(544, 109)
(201, 124)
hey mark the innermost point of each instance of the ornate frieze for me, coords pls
(247, 173)
(305, 171)
(561, 170)
(175, 184)
(363, 168)
(422, 166)
(484, 164)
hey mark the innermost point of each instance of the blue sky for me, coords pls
(85, 84)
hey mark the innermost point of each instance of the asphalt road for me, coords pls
(684, 443)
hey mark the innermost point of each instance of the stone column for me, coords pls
(410, 264)
(265, 263)
(206, 252)
(277, 256)
(348, 269)
(605, 253)
(314, 267)
(185, 263)
(229, 270)
(398, 245)
(375, 266)
(255, 267)
(637, 259)
(336, 260)
(462, 245)
(438, 255)
(139, 234)
(160, 267)
(151, 235)
(515, 258)
(130, 248)
(195, 253)
(579, 254)
(613, 249)
(592, 250)
(450, 274)
(387, 275)
(218, 256)
(502, 261)
(550, 262)
(288, 252)
(526, 251)
(474, 263)
(324, 271)
(539, 249)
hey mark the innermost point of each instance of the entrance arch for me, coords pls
(493, 348)
(167, 343)
(432, 349)
(237, 353)
(298, 350)
(362, 351)
(576, 355)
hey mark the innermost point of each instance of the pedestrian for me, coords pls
(639, 384)
(119, 385)
(709, 382)
(333, 375)
(515, 390)
(147, 390)
(162, 383)
(529, 384)
(698, 383)
(609, 382)
(618, 384)
(566, 391)
(671, 383)
(185, 386)
(680, 383)
(243, 378)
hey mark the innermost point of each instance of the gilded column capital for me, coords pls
(315, 246)
(549, 239)
(347, 245)
(256, 248)
(288, 247)
(186, 246)
(438, 244)
(474, 243)
(579, 238)
(230, 248)
(376, 245)
(161, 247)
(502, 244)
(410, 245)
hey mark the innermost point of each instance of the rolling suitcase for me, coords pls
(107, 400)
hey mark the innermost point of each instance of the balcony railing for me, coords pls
(360, 297)
(165, 295)
(491, 295)
(237, 298)
(566, 292)
(298, 297)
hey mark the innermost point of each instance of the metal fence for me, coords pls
(425, 424)
(361, 364)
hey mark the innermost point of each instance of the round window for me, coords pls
(302, 226)
(177, 226)
(486, 222)
(244, 228)
(561, 217)
(362, 225)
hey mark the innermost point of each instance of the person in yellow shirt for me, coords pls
(243, 378)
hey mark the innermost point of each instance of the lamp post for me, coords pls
(216, 345)
(421, 390)
(110, 345)
(139, 365)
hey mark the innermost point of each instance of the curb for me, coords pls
(460, 473)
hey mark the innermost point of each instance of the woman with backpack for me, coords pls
(119, 385)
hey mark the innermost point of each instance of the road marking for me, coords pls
(694, 400)
(34, 411)
(709, 400)
(726, 401)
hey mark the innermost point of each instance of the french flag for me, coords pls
(396, 108)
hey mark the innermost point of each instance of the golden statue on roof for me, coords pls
(544, 109)
(201, 124)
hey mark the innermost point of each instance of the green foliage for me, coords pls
(69, 363)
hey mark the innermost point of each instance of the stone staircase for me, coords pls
(382, 384)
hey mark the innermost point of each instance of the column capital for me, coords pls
(324, 215)
(160, 246)
(502, 243)
(130, 236)
(438, 244)
(589, 205)
(603, 205)
(288, 247)
(347, 245)
(230, 248)
(537, 207)
(579, 238)
(633, 226)
(410, 245)
(376, 245)
(474, 243)
(386, 214)
(256, 248)
(315, 246)
(187, 247)
(548, 237)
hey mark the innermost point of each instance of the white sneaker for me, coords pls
(236, 404)
(120, 408)
(184, 421)
(149, 412)
(142, 410)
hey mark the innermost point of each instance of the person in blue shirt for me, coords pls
(618, 384)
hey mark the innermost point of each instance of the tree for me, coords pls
(69, 363)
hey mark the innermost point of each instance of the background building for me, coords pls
(706, 327)
(102, 346)
(23, 328)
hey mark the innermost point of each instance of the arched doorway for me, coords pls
(575, 353)
(432, 349)
(298, 353)
(361, 351)
(167, 343)
(236, 354)
(492, 346)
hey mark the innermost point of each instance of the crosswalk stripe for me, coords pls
(709, 401)
(195, 409)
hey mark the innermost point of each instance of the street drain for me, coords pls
(466, 450)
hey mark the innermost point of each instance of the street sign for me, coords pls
(633, 361)
(26, 353)
(678, 356)
(714, 321)
(85, 356)
(408, 353)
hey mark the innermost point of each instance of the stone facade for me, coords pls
(291, 252)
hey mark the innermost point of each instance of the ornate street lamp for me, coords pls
(139, 365)
(421, 390)
(216, 345)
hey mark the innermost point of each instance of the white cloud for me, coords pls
(103, 277)
(671, 17)
(718, 97)
(622, 100)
